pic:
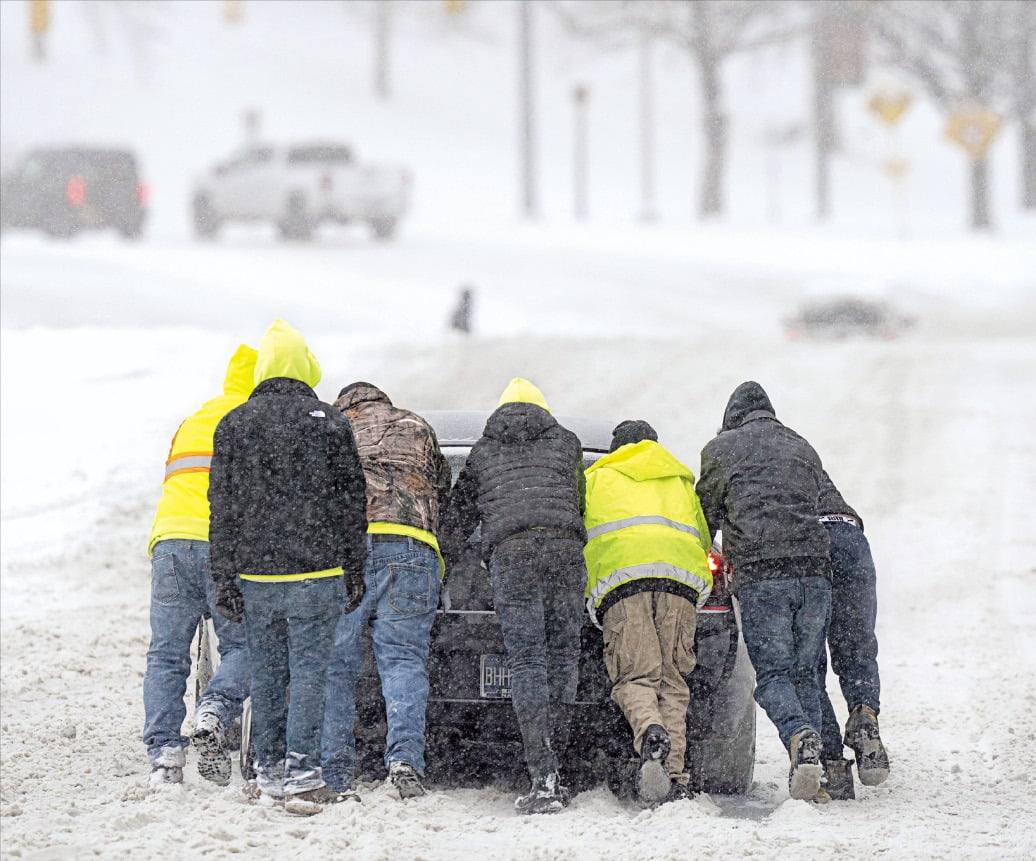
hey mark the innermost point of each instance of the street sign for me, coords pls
(973, 128)
(890, 104)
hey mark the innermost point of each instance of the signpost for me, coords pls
(889, 104)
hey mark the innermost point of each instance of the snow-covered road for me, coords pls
(105, 346)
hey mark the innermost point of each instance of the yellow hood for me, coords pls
(240, 378)
(523, 392)
(283, 353)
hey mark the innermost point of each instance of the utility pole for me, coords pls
(382, 26)
(648, 212)
(580, 98)
(530, 203)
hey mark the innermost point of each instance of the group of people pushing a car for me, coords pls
(299, 525)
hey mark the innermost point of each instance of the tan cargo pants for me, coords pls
(648, 648)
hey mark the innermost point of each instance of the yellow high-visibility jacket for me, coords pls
(643, 520)
(183, 510)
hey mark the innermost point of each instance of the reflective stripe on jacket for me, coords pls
(183, 510)
(643, 520)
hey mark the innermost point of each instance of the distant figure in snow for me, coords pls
(288, 522)
(524, 482)
(460, 319)
(182, 592)
(854, 650)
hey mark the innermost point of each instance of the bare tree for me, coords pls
(1021, 72)
(709, 32)
(956, 50)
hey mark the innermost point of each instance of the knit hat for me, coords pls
(630, 431)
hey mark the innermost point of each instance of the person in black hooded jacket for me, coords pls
(524, 481)
(287, 531)
(760, 484)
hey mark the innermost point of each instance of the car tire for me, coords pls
(133, 230)
(383, 228)
(206, 219)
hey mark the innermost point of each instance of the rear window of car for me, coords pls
(116, 164)
(320, 154)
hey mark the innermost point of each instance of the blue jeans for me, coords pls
(538, 586)
(851, 639)
(291, 629)
(182, 591)
(402, 580)
(784, 622)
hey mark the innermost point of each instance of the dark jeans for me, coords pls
(291, 629)
(538, 586)
(402, 579)
(851, 639)
(784, 621)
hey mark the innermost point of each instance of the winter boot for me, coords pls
(312, 801)
(546, 796)
(678, 792)
(653, 783)
(210, 741)
(838, 776)
(167, 767)
(861, 734)
(806, 771)
(406, 780)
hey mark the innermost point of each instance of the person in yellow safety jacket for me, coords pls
(647, 563)
(182, 592)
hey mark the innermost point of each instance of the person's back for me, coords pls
(523, 480)
(288, 521)
(760, 486)
(408, 484)
(647, 571)
(182, 592)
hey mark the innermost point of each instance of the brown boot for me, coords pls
(806, 771)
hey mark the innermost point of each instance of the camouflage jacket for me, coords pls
(408, 478)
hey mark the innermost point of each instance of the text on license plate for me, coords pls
(494, 681)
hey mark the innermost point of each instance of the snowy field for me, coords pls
(106, 345)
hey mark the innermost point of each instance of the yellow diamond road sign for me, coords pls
(973, 128)
(890, 104)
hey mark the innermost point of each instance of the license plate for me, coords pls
(494, 680)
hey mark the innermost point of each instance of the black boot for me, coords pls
(838, 774)
(653, 782)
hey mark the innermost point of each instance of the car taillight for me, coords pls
(719, 572)
(326, 182)
(142, 194)
(75, 191)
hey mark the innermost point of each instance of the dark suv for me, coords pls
(64, 190)
(472, 732)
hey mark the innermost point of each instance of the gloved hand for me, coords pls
(356, 588)
(230, 603)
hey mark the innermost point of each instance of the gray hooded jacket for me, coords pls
(760, 483)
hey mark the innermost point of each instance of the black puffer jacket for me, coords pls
(525, 473)
(286, 491)
(760, 483)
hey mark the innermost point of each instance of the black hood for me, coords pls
(517, 421)
(747, 398)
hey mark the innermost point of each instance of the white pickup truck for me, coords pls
(298, 186)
